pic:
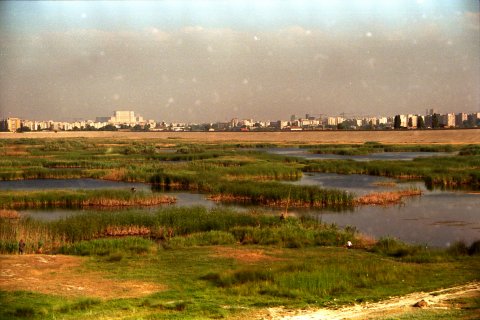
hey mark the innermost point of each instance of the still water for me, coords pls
(358, 184)
(436, 218)
(303, 153)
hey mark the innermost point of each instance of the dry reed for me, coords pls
(9, 214)
(386, 198)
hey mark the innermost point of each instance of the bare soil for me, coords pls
(457, 136)
(65, 276)
(440, 299)
(244, 255)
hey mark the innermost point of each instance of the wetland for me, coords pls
(249, 221)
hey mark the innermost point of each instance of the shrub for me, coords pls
(459, 248)
(24, 312)
(474, 248)
(394, 248)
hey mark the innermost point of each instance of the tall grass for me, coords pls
(375, 147)
(103, 247)
(453, 171)
(279, 194)
(79, 199)
(199, 225)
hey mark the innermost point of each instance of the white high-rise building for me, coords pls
(448, 120)
(123, 117)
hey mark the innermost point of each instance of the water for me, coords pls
(183, 198)
(358, 184)
(42, 184)
(437, 218)
(295, 152)
(434, 219)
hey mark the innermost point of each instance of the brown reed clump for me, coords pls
(116, 231)
(115, 174)
(386, 198)
(106, 202)
(228, 198)
(9, 214)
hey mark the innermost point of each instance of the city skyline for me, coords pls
(129, 120)
(198, 61)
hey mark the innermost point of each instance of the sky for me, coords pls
(208, 61)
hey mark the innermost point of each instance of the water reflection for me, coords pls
(358, 184)
(42, 184)
(389, 156)
(435, 219)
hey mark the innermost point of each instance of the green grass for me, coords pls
(77, 199)
(199, 225)
(375, 147)
(219, 282)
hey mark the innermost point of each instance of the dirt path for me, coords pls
(65, 276)
(394, 306)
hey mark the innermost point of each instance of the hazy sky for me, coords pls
(200, 61)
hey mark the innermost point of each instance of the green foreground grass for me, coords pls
(220, 263)
(216, 282)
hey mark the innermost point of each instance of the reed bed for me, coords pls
(279, 194)
(375, 147)
(80, 199)
(452, 171)
(104, 247)
(386, 198)
(186, 156)
(263, 171)
(9, 214)
(198, 225)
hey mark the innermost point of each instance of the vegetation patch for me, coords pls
(80, 199)
(386, 198)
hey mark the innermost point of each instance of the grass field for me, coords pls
(308, 137)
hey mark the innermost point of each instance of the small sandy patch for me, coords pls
(65, 276)
(244, 255)
(440, 299)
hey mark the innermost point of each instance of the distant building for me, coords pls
(460, 119)
(234, 122)
(448, 120)
(123, 117)
(10, 124)
(369, 121)
(309, 122)
(473, 119)
(412, 121)
(102, 119)
(382, 120)
(333, 121)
